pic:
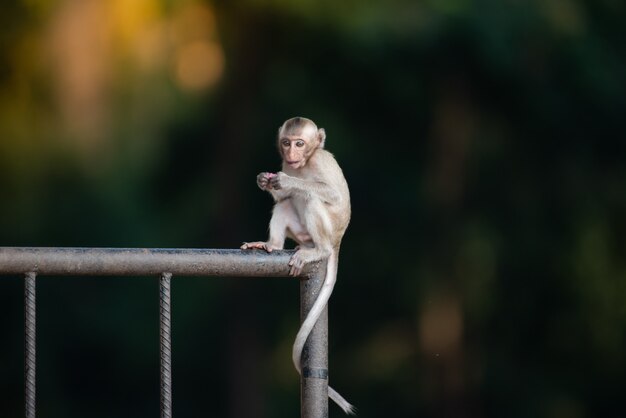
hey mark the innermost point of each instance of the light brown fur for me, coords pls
(313, 209)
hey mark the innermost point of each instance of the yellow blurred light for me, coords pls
(129, 18)
(199, 65)
(78, 45)
(193, 22)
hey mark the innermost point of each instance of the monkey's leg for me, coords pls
(303, 257)
(284, 218)
(319, 228)
(300, 235)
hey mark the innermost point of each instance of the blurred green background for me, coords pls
(484, 271)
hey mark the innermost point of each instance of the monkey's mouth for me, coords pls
(293, 164)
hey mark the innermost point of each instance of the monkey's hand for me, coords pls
(279, 181)
(263, 180)
(260, 245)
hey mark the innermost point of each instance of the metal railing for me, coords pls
(166, 263)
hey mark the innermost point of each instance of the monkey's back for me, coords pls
(328, 171)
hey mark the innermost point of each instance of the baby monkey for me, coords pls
(313, 209)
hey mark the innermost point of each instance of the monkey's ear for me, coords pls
(321, 135)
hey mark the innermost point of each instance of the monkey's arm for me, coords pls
(279, 195)
(295, 185)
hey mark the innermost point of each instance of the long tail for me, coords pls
(309, 323)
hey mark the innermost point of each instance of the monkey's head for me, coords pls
(298, 138)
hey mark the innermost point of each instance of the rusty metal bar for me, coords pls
(166, 346)
(144, 262)
(29, 344)
(314, 360)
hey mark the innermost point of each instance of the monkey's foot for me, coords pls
(299, 260)
(259, 245)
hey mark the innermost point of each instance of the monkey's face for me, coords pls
(296, 147)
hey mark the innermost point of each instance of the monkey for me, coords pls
(312, 207)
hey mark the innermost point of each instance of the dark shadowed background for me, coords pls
(484, 271)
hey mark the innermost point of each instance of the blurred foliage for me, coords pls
(483, 273)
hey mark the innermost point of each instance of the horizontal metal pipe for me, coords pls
(145, 262)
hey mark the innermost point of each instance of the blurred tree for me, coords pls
(483, 142)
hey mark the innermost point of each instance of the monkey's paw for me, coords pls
(297, 262)
(279, 181)
(259, 245)
(263, 180)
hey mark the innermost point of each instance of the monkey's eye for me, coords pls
(300, 144)
(286, 143)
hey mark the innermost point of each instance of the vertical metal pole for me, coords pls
(166, 346)
(314, 362)
(29, 344)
